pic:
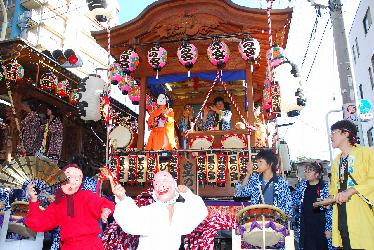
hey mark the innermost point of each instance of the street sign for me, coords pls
(364, 106)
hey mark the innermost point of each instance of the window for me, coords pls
(354, 53)
(367, 21)
(358, 50)
(371, 78)
(370, 137)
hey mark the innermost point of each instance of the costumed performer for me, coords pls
(162, 223)
(76, 211)
(352, 184)
(161, 124)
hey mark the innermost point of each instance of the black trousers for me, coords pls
(343, 226)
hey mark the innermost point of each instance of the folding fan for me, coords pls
(21, 171)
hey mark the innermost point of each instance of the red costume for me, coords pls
(80, 231)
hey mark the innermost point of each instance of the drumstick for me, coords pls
(325, 202)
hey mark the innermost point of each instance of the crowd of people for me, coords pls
(346, 223)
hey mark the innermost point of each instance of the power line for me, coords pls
(319, 45)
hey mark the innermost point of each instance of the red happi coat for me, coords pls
(78, 232)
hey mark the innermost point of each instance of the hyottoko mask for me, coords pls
(165, 188)
(75, 176)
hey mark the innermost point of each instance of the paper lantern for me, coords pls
(292, 100)
(249, 49)
(218, 53)
(129, 61)
(187, 54)
(157, 58)
(125, 84)
(275, 56)
(115, 73)
(48, 81)
(134, 93)
(14, 71)
(90, 90)
(62, 88)
(74, 96)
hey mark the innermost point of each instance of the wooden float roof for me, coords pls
(170, 21)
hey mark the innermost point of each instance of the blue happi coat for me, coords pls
(298, 198)
(282, 194)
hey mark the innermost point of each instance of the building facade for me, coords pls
(361, 37)
(60, 24)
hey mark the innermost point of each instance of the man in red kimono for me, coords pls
(76, 211)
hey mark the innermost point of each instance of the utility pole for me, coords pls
(344, 66)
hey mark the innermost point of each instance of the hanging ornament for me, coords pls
(267, 101)
(134, 93)
(124, 84)
(150, 104)
(48, 81)
(157, 58)
(129, 61)
(62, 88)
(218, 53)
(74, 96)
(249, 49)
(14, 71)
(187, 54)
(275, 56)
(104, 108)
(115, 73)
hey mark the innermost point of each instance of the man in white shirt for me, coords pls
(161, 224)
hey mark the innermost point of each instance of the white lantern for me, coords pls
(90, 90)
(292, 99)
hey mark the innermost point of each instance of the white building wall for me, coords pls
(67, 24)
(362, 54)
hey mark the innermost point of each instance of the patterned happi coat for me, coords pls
(282, 193)
(298, 198)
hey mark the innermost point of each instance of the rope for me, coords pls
(207, 97)
(109, 123)
(251, 128)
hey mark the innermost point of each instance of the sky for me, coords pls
(308, 135)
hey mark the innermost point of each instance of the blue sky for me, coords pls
(308, 136)
(131, 8)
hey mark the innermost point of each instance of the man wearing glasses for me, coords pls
(352, 184)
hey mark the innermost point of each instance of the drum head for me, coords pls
(255, 238)
(233, 142)
(20, 229)
(121, 136)
(201, 143)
